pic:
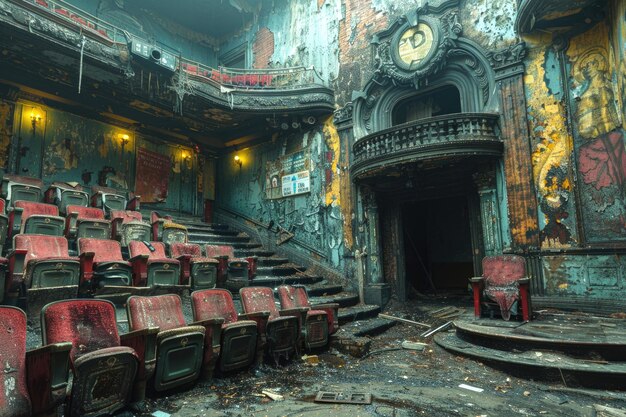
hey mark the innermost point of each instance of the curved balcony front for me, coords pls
(440, 137)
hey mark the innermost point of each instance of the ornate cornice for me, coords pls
(508, 61)
(343, 114)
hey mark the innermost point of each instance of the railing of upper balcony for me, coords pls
(258, 79)
(423, 133)
(235, 78)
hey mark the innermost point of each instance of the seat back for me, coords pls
(17, 187)
(139, 248)
(108, 199)
(213, 251)
(127, 216)
(256, 299)
(179, 348)
(239, 338)
(212, 304)
(47, 262)
(180, 249)
(174, 233)
(97, 357)
(105, 250)
(14, 398)
(88, 222)
(503, 270)
(40, 218)
(129, 226)
(293, 296)
(63, 194)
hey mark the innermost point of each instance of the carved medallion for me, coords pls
(415, 44)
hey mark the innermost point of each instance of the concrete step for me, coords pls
(344, 299)
(359, 312)
(242, 253)
(322, 289)
(271, 261)
(280, 270)
(369, 327)
(236, 245)
(275, 281)
(220, 239)
(200, 229)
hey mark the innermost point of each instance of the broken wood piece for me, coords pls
(471, 388)
(407, 344)
(438, 329)
(416, 323)
(274, 396)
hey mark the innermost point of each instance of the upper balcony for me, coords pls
(440, 137)
(73, 31)
(554, 15)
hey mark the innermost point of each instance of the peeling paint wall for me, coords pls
(65, 147)
(7, 109)
(489, 22)
(316, 218)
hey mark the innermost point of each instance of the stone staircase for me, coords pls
(357, 321)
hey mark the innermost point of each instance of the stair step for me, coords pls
(235, 245)
(242, 253)
(218, 232)
(274, 281)
(344, 299)
(279, 270)
(271, 261)
(369, 327)
(209, 237)
(359, 312)
(322, 289)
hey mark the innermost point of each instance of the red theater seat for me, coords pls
(151, 266)
(279, 327)
(504, 281)
(315, 333)
(99, 356)
(86, 222)
(33, 382)
(63, 194)
(238, 337)
(195, 270)
(165, 230)
(237, 272)
(180, 348)
(102, 263)
(128, 225)
(109, 199)
(35, 218)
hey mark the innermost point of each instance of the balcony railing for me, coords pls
(262, 79)
(436, 136)
(81, 19)
(233, 78)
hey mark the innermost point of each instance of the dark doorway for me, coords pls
(445, 100)
(437, 245)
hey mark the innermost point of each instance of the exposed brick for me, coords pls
(263, 48)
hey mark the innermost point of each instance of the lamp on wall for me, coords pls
(186, 157)
(35, 118)
(124, 139)
(238, 160)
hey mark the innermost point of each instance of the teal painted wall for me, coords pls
(66, 147)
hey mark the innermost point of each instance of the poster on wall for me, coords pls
(287, 176)
(152, 176)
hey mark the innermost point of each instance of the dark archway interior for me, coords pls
(437, 242)
(445, 100)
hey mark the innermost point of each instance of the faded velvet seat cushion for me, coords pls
(501, 275)
(105, 250)
(14, 399)
(162, 311)
(86, 212)
(214, 304)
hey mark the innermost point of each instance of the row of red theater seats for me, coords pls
(160, 350)
(251, 80)
(41, 263)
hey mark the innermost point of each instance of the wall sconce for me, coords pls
(238, 161)
(124, 139)
(186, 157)
(34, 119)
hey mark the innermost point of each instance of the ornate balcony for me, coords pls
(451, 135)
(555, 14)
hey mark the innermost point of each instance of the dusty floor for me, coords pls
(401, 382)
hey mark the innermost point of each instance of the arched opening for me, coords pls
(444, 100)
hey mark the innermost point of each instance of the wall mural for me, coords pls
(552, 148)
(599, 137)
(7, 110)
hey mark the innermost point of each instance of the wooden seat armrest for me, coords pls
(138, 257)
(295, 311)
(15, 252)
(47, 369)
(213, 331)
(208, 322)
(256, 314)
(476, 279)
(220, 257)
(334, 306)
(523, 281)
(146, 337)
(184, 258)
(133, 203)
(86, 255)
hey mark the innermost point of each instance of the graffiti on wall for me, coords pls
(552, 148)
(599, 138)
(6, 131)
